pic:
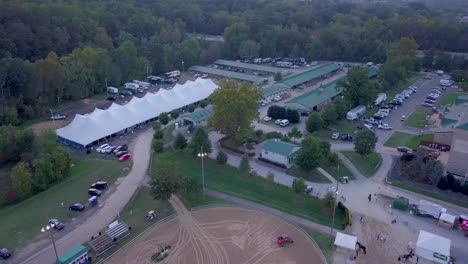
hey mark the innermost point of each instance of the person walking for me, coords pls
(369, 197)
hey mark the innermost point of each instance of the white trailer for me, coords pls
(112, 90)
(445, 82)
(431, 209)
(284, 64)
(143, 85)
(356, 113)
(131, 86)
(172, 74)
(381, 97)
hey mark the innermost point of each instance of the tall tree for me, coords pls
(249, 49)
(180, 142)
(230, 96)
(341, 107)
(166, 180)
(200, 142)
(309, 156)
(329, 115)
(244, 165)
(314, 122)
(365, 142)
(52, 77)
(21, 179)
(357, 88)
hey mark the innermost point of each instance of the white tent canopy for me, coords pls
(433, 247)
(345, 241)
(85, 129)
(447, 218)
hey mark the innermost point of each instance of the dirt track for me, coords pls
(221, 236)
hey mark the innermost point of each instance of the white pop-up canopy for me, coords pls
(446, 220)
(433, 247)
(345, 241)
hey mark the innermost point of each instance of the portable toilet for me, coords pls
(93, 201)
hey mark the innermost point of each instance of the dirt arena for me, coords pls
(221, 236)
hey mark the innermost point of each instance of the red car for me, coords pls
(124, 157)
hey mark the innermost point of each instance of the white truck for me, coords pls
(131, 86)
(381, 97)
(143, 85)
(112, 90)
(356, 113)
(432, 209)
(284, 64)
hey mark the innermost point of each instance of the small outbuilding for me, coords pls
(433, 247)
(446, 220)
(279, 152)
(345, 243)
(198, 117)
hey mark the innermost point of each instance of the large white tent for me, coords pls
(86, 129)
(344, 242)
(433, 247)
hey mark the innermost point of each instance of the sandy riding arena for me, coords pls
(221, 236)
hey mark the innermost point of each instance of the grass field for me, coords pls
(324, 241)
(450, 98)
(21, 222)
(343, 126)
(312, 176)
(367, 165)
(417, 119)
(229, 180)
(400, 139)
(434, 195)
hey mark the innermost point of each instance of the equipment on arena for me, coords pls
(151, 215)
(284, 240)
(159, 256)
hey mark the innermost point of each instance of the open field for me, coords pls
(367, 164)
(342, 126)
(221, 235)
(417, 119)
(312, 176)
(226, 179)
(400, 139)
(21, 222)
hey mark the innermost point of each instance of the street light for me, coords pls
(202, 154)
(49, 228)
(183, 66)
(334, 208)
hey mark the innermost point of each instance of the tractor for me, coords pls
(284, 240)
(162, 254)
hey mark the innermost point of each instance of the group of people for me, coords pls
(410, 254)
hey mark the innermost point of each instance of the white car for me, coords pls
(385, 127)
(100, 148)
(314, 63)
(277, 98)
(284, 122)
(403, 118)
(278, 121)
(368, 126)
(267, 118)
(336, 135)
(106, 150)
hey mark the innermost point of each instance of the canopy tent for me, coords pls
(86, 129)
(446, 220)
(345, 242)
(433, 247)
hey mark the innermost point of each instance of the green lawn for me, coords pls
(167, 133)
(342, 126)
(21, 222)
(434, 195)
(312, 176)
(450, 98)
(417, 119)
(338, 172)
(228, 180)
(367, 165)
(401, 139)
(324, 241)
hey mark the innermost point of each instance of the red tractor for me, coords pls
(284, 240)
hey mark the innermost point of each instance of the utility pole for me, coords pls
(107, 92)
(334, 209)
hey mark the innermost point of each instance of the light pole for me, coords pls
(202, 154)
(334, 208)
(183, 66)
(49, 228)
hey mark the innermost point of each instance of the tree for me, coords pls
(191, 108)
(329, 115)
(180, 142)
(221, 158)
(333, 159)
(234, 35)
(365, 142)
(158, 134)
(52, 76)
(276, 112)
(465, 188)
(450, 180)
(329, 200)
(292, 115)
(228, 97)
(158, 146)
(357, 88)
(244, 165)
(166, 180)
(434, 171)
(21, 179)
(456, 186)
(163, 118)
(278, 76)
(314, 122)
(249, 49)
(175, 114)
(341, 107)
(270, 177)
(325, 147)
(299, 186)
(295, 133)
(203, 103)
(443, 183)
(200, 142)
(309, 156)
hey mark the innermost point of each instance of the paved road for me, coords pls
(110, 209)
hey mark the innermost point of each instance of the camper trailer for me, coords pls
(284, 64)
(131, 86)
(356, 113)
(143, 85)
(381, 97)
(112, 90)
(172, 74)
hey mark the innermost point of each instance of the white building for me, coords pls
(280, 152)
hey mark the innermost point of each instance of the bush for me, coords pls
(244, 165)
(249, 146)
(465, 189)
(333, 159)
(443, 183)
(270, 177)
(163, 118)
(456, 186)
(156, 126)
(203, 103)
(259, 133)
(450, 180)
(276, 112)
(295, 133)
(292, 115)
(158, 134)
(314, 122)
(221, 158)
(273, 134)
(299, 186)
(175, 114)
(191, 108)
(180, 142)
(329, 200)
(158, 146)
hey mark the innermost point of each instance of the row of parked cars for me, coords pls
(120, 152)
(432, 97)
(344, 137)
(94, 190)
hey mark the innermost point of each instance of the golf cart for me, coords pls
(284, 240)
(151, 215)
(344, 180)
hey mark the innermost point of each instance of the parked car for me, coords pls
(77, 207)
(277, 98)
(385, 127)
(284, 122)
(110, 98)
(267, 118)
(106, 149)
(57, 224)
(94, 192)
(403, 118)
(335, 135)
(120, 153)
(124, 157)
(428, 104)
(278, 121)
(405, 150)
(58, 117)
(367, 126)
(100, 148)
(4, 253)
(347, 137)
(100, 185)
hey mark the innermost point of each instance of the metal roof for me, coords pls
(310, 74)
(229, 74)
(373, 71)
(280, 147)
(72, 254)
(275, 88)
(249, 66)
(319, 95)
(199, 116)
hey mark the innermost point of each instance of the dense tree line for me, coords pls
(38, 162)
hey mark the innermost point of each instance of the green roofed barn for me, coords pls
(274, 90)
(310, 75)
(197, 117)
(280, 152)
(77, 254)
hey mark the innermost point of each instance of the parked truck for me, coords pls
(432, 209)
(112, 90)
(381, 97)
(356, 113)
(131, 86)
